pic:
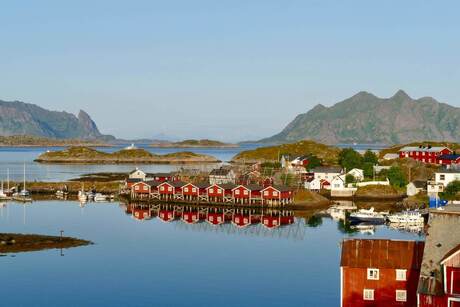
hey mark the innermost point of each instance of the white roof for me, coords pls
(423, 149)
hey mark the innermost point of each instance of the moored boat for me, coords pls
(367, 216)
(408, 217)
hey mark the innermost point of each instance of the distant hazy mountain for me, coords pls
(365, 118)
(19, 118)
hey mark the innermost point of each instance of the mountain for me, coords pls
(19, 118)
(365, 118)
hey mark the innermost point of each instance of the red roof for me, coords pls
(383, 254)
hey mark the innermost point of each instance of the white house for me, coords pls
(317, 184)
(357, 173)
(415, 187)
(326, 172)
(338, 183)
(434, 188)
(137, 174)
(222, 175)
(339, 187)
(446, 176)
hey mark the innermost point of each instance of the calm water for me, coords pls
(154, 263)
(14, 159)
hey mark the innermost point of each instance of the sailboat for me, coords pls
(24, 195)
(3, 195)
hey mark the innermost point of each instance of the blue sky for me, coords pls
(230, 70)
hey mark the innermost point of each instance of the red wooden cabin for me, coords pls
(380, 272)
(190, 191)
(427, 154)
(215, 192)
(276, 195)
(448, 159)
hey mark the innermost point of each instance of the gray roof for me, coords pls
(423, 149)
(419, 184)
(223, 171)
(327, 169)
(442, 237)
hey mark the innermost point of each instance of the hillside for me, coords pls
(19, 118)
(194, 144)
(396, 148)
(26, 141)
(89, 155)
(365, 118)
(327, 154)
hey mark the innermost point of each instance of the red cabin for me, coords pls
(276, 195)
(131, 181)
(141, 189)
(380, 272)
(426, 154)
(166, 188)
(215, 192)
(448, 159)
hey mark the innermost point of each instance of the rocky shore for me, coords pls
(19, 243)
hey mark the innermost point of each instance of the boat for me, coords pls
(3, 195)
(82, 197)
(368, 229)
(100, 197)
(24, 195)
(408, 217)
(366, 216)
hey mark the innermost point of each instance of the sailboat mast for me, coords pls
(8, 178)
(24, 176)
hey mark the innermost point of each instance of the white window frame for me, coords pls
(401, 275)
(237, 192)
(401, 295)
(275, 193)
(193, 190)
(245, 192)
(371, 275)
(265, 193)
(169, 189)
(185, 189)
(368, 294)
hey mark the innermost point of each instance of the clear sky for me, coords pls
(229, 70)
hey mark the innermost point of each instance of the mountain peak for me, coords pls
(400, 94)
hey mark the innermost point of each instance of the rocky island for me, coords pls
(87, 155)
(204, 143)
(18, 243)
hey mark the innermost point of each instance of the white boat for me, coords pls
(82, 197)
(100, 197)
(408, 217)
(24, 195)
(367, 216)
(3, 195)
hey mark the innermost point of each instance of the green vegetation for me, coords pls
(326, 154)
(350, 159)
(396, 148)
(313, 161)
(349, 178)
(397, 177)
(370, 157)
(89, 155)
(377, 191)
(270, 165)
(452, 190)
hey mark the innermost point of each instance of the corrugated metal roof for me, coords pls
(382, 254)
(423, 149)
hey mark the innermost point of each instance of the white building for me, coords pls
(340, 188)
(327, 172)
(137, 174)
(222, 175)
(446, 176)
(357, 173)
(415, 187)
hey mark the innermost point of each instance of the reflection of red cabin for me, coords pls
(190, 217)
(216, 218)
(166, 215)
(241, 220)
(141, 214)
(276, 221)
(380, 272)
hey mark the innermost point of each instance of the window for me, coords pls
(136, 188)
(401, 295)
(373, 274)
(237, 192)
(401, 275)
(169, 189)
(193, 190)
(185, 189)
(211, 190)
(162, 188)
(245, 192)
(442, 177)
(368, 294)
(265, 193)
(275, 193)
(146, 188)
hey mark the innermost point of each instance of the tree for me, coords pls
(368, 169)
(350, 158)
(349, 178)
(370, 157)
(313, 161)
(451, 190)
(397, 177)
